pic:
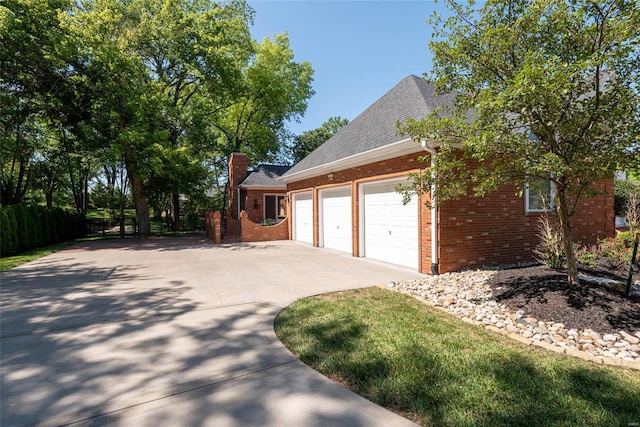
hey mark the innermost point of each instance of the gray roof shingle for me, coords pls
(376, 126)
(265, 176)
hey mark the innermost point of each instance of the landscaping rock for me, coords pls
(468, 295)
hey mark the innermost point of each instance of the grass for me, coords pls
(16, 260)
(439, 371)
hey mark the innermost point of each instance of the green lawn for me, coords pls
(14, 261)
(439, 371)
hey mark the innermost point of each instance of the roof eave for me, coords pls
(263, 187)
(396, 149)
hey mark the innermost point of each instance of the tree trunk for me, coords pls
(175, 211)
(567, 238)
(140, 202)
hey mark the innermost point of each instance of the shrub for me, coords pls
(24, 228)
(6, 240)
(622, 190)
(613, 252)
(13, 225)
(586, 255)
(53, 230)
(550, 250)
(35, 227)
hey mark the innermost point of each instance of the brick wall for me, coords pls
(388, 169)
(472, 231)
(495, 229)
(252, 232)
(256, 212)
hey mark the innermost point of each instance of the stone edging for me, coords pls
(436, 295)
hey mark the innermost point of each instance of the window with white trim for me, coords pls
(274, 207)
(539, 196)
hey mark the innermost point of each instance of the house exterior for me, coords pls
(257, 192)
(342, 196)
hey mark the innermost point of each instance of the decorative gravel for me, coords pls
(478, 296)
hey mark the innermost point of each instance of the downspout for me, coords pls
(434, 212)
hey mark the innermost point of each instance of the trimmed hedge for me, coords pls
(24, 228)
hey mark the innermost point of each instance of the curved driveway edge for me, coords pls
(172, 332)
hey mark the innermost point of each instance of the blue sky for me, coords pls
(358, 49)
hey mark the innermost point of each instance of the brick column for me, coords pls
(217, 224)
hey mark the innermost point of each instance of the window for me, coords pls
(274, 207)
(538, 196)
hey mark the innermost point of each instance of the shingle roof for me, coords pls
(376, 126)
(265, 176)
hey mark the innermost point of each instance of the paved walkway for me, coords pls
(172, 332)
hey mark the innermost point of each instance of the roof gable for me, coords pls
(376, 126)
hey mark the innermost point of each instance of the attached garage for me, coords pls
(302, 213)
(335, 219)
(389, 229)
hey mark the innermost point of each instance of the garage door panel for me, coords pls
(303, 217)
(390, 228)
(335, 219)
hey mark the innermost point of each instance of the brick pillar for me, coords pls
(217, 224)
(237, 173)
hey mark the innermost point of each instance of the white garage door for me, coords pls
(335, 219)
(303, 217)
(390, 228)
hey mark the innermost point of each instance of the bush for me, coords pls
(586, 255)
(622, 190)
(13, 225)
(35, 226)
(6, 242)
(51, 224)
(24, 228)
(550, 250)
(614, 253)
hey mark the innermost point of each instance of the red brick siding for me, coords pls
(387, 169)
(472, 231)
(256, 214)
(494, 230)
(252, 232)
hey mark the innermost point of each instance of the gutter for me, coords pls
(434, 211)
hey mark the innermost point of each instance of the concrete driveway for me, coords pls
(172, 332)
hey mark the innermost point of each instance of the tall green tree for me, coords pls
(309, 140)
(147, 61)
(545, 90)
(274, 90)
(30, 75)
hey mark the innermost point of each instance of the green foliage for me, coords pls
(13, 225)
(586, 255)
(543, 91)
(622, 190)
(614, 252)
(25, 228)
(25, 241)
(6, 234)
(308, 141)
(51, 224)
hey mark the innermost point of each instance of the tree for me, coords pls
(309, 140)
(147, 61)
(545, 90)
(274, 90)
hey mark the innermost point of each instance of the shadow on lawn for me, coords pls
(451, 380)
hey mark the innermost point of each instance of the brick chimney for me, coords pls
(237, 173)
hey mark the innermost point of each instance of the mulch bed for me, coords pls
(543, 293)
